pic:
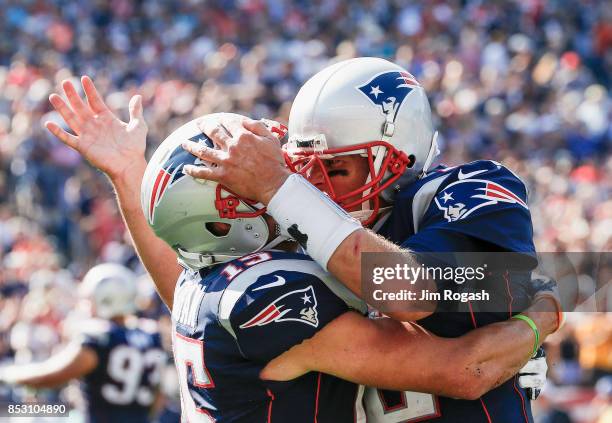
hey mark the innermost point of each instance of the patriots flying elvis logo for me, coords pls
(388, 90)
(171, 172)
(295, 306)
(463, 197)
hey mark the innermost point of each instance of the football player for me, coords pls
(361, 132)
(241, 303)
(225, 333)
(117, 357)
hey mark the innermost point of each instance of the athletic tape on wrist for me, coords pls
(311, 218)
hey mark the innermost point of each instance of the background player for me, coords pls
(117, 357)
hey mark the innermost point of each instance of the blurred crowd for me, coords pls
(523, 82)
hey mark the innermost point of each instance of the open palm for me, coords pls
(104, 140)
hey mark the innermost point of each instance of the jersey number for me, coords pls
(126, 366)
(189, 357)
(392, 407)
(232, 270)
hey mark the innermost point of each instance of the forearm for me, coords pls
(345, 265)
(50, 380)
(350, 348)
(337, 242)
(157, 257)
(36, 375)
(496, 352)
(466, 367)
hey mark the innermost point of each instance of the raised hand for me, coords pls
(248, 160)
(108, 143)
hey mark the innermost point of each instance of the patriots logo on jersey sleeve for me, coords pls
(463, 197)
(295, 306)
(172, 171)
(388, 90)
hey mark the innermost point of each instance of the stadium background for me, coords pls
(522, 82)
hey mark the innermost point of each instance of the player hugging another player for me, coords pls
(262, 332)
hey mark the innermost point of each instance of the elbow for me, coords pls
(474, 390)
(466, 388)
(471, 395)
(470, 379)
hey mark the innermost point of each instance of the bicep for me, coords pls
(383, 353)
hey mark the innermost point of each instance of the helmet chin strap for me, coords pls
(197, 261)
(434, 150)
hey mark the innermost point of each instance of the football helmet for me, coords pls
(112, 289)
(367, 106)
(183, 210)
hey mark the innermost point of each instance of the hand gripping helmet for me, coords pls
(112, 289)
(367, 106)
(183, 211)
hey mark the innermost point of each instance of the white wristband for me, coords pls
(311, 218)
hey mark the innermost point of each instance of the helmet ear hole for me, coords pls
(218, 229)
(412, 159)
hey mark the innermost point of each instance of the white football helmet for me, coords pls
(112, 289)
(367, 106)
(183, 211)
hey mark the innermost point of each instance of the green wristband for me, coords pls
(533, 326)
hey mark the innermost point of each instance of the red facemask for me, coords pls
(393, 165)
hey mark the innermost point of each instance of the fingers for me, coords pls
(533, 374)
(68, 139)
(204, 153)
(203, 172)
(94, 99)
(136, 114)
(231, 123)
(257, 127)
(219, 135)
(535, 365)
(82, 111)
(66, 112)
(534, 381)
(211, 173)
(135, 108)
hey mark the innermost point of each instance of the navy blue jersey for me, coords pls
(124, 384)
(231, 320)
(477, 207)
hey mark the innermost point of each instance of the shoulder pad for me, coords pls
(95, 326)
(95, 329)
(261, 279)
(459, 191)
(148, 325)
